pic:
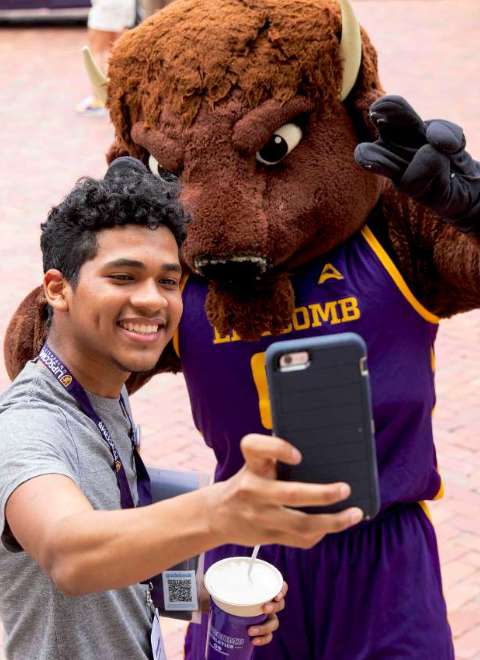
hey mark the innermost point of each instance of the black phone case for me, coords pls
(325, 410)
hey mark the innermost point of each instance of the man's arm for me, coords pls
(85, 551)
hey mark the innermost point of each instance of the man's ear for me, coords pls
(56, 290)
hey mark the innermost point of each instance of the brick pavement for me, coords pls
(428, 53)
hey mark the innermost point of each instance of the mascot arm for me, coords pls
(27, 331)
(426, 160)
(429, 218)
(440, 263)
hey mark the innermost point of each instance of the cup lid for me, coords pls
(227, 581)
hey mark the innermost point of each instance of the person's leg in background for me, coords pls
(151, 6)
(107, 20)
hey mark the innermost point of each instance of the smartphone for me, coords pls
(320, 398)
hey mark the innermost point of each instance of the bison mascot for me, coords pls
(258, 106)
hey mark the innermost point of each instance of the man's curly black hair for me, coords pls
(128, 195)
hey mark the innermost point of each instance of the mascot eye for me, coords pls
(153, 165)
(282, 142)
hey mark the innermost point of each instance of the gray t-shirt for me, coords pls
(42, 431)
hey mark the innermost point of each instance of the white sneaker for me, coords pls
(91, 107)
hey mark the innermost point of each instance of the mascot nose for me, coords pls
(236, 270)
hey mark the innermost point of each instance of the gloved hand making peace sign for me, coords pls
(426, 160)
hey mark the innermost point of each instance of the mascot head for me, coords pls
(258, 106)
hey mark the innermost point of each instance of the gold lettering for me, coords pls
(350, 309)
(222, 339)
(325, 314)
(312, 316)
(305, 323)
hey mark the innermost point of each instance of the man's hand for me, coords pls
(252, 507)
(262, 633)
(424, 159)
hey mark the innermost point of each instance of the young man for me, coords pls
(71, 479)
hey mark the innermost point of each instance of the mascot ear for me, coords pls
(366, 90)
(26, 332)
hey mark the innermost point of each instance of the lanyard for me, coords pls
(73, 387)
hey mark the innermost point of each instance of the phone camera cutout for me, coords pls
(363, 366)
(294, 361)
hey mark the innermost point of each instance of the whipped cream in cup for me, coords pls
(237, 601)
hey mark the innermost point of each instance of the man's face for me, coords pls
(127, 302)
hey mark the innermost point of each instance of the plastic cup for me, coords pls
(237, 601)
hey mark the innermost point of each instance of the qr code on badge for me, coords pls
(180, 590)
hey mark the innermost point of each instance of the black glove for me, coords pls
(424, 159)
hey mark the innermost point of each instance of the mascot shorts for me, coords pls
(111, 15)
(371, 593)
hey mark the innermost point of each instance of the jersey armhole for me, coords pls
(397, 278)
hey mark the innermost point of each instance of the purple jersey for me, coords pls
(373, 591)
(355, 288)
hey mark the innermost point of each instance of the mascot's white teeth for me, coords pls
(201, 262)
(140, 328)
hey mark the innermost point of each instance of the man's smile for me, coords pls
(142, 329)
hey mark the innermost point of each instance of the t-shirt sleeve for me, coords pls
(34, 441)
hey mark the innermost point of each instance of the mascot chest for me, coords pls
(355, 288)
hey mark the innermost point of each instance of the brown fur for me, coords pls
(259, 50)
(440, 264)
(26, 331)
(270, 212)
(222, 308)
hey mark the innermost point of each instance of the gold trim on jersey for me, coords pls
(426, 510)
(394, 273)
(176, 336)
(257, 365)
(441, 490)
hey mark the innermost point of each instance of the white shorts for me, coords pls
(111, 15)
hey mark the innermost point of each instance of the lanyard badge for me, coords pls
(73, 387)
(156, 640)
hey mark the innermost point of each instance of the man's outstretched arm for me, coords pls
(85, 551)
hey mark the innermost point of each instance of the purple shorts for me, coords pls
(371, 593)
